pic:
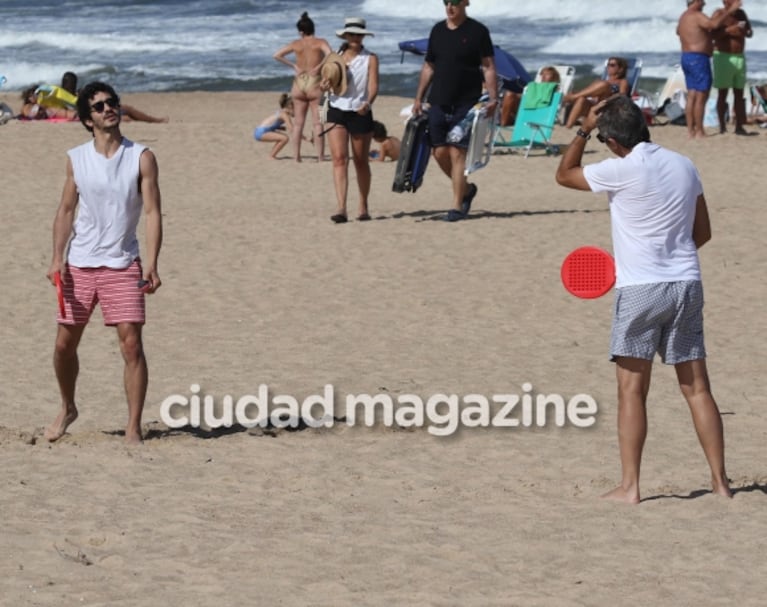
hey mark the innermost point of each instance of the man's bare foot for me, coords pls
(619, 494)
(133, 437)
(721, 487)
(59, 426)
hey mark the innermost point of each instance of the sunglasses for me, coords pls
(602, 138)
(612, 64)
(112, 102)
(453, 2)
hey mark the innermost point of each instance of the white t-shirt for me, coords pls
(109, 206)
(356, 84)
(653, 194)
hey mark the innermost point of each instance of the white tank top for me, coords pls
(109, 206)
(357, 84)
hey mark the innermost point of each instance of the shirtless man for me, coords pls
(306, 92)
(695, 30)
(730, 65)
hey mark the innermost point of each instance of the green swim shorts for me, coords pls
(729, 70)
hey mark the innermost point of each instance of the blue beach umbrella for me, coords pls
(509, 69)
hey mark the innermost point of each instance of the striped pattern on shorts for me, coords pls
(116, 292)
(664, 317)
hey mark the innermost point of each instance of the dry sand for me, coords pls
(261, 288)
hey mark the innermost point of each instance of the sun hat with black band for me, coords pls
(354, 25)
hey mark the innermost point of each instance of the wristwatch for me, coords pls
(584, 134)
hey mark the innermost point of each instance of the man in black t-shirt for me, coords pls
(458, 60)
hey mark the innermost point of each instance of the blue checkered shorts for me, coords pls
(663, 317)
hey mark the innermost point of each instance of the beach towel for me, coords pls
(539, 94)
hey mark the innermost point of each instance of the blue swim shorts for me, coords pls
(663, 317)
(697, 71)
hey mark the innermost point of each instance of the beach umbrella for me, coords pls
(509, 69)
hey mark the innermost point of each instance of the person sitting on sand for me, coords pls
(615, 82)
(276, 127)
(389, 144)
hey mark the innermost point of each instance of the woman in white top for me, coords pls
(350, 117)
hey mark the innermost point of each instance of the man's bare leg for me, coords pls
(452, 161)
(699, 106)
(739, 109)
(721, 109)
(694, 382)
(633, 375)
(66, 365)
(136, 377)
(458, 163)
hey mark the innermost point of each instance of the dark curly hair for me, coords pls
(87, 93)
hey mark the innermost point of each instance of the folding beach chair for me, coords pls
(566, 82)
(633, 72)
(758, 103)
(533, 126)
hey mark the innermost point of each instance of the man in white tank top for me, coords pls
(110, 182)
(659, 221)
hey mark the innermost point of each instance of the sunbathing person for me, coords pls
(390, 145)
(129, 112)
(32, 110)
(510, 101)
(615, 82)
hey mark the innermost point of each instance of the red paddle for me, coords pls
(60, 293)
(588, 272)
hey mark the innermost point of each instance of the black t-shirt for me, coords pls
(457, 56)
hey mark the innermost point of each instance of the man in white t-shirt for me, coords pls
(659, 220)
(110, 182)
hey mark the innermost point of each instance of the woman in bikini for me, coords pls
(309, 53)
(615, 82)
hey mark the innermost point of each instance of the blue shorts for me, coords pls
(663, 317)
(697, 71)
(442, 118)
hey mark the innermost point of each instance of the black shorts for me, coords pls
(442, 118)
(356, 124)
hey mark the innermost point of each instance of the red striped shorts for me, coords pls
(116, 291)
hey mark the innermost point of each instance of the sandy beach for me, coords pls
(260, 287)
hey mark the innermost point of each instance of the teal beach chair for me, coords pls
(532, 127)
